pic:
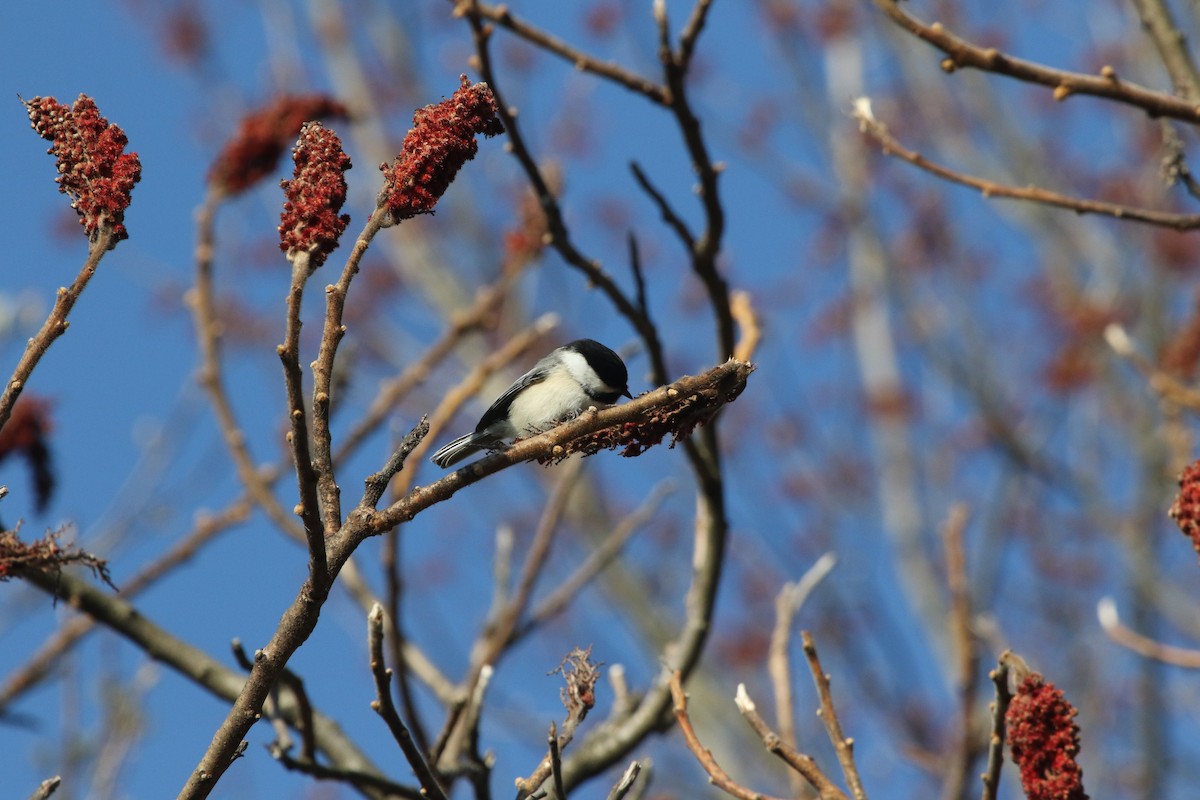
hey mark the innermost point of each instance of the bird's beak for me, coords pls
(627, 394)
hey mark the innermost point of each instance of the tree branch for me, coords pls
(868, 124)
(56, 323)
(961, 53)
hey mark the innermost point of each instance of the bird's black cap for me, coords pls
(608, 366)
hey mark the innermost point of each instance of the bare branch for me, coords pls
(502, 16)
(209, 328)
(309, 506)
(556, 763)
(843, 745)
(685, 403)
(869, 125)
(191, 662)
(626, 783)
(719, 777)
(965, 654)
(747, 320)
(392, 392)
(991, 778)
(1162, 382)
(46, 788)
(961, 53)
(787, 605)
(384, 706)
(1106, 611)
(322, 369)
(598, 559)
(802, 763)
(56, 323)
(376, 484)
(557, 232)
(1171, 43)
(369, 783)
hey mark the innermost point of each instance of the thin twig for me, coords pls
(787, 605)
(46, 788)
(1171, 44)
(376, 483)
(691, 32)
(502, 16)
(556, 763)
(361, 780)
(879, 132)
(309, 507)
(559, 238)
(598, 559)
(623, 786)
(191, 662)
(669, 215)
(1110, 621)
(719, 777)
(707, 246)
(322, 369)
(965, 656)
(803, 764)
(747, 320)
(441, 416)
(961, 53)
(384, 706)
(1163, 383)
(395, 390)
(40, 664)
(842, 745)
(991, 778)
(580, 674)
(56, 323)
(209, 328)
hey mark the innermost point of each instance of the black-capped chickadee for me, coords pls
(577, 375)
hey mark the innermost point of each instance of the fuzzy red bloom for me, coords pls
(441, 140)
(1044, 741)
(93, 168)
(1186, 508)
(262, 138)
(315, 194)
(27, 433)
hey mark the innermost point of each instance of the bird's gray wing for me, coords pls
(499, 409)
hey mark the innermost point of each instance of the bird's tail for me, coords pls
(455, 451)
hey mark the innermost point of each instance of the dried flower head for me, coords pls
(262, 138)
(45, 554)
(1186, 508)
(441, 140)
(525, 242)
(1044, 741)
(310, 223)
(27, 434)
(93, 168)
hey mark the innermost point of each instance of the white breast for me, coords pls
(543, 405)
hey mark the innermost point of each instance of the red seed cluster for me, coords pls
(27, 434)
(93, 168)
(441, 140)
(253, 153)
(1044, 741)
(315, 194)
(1186, 508)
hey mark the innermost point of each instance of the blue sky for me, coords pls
(138, 455)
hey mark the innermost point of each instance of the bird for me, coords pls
(560, 386)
